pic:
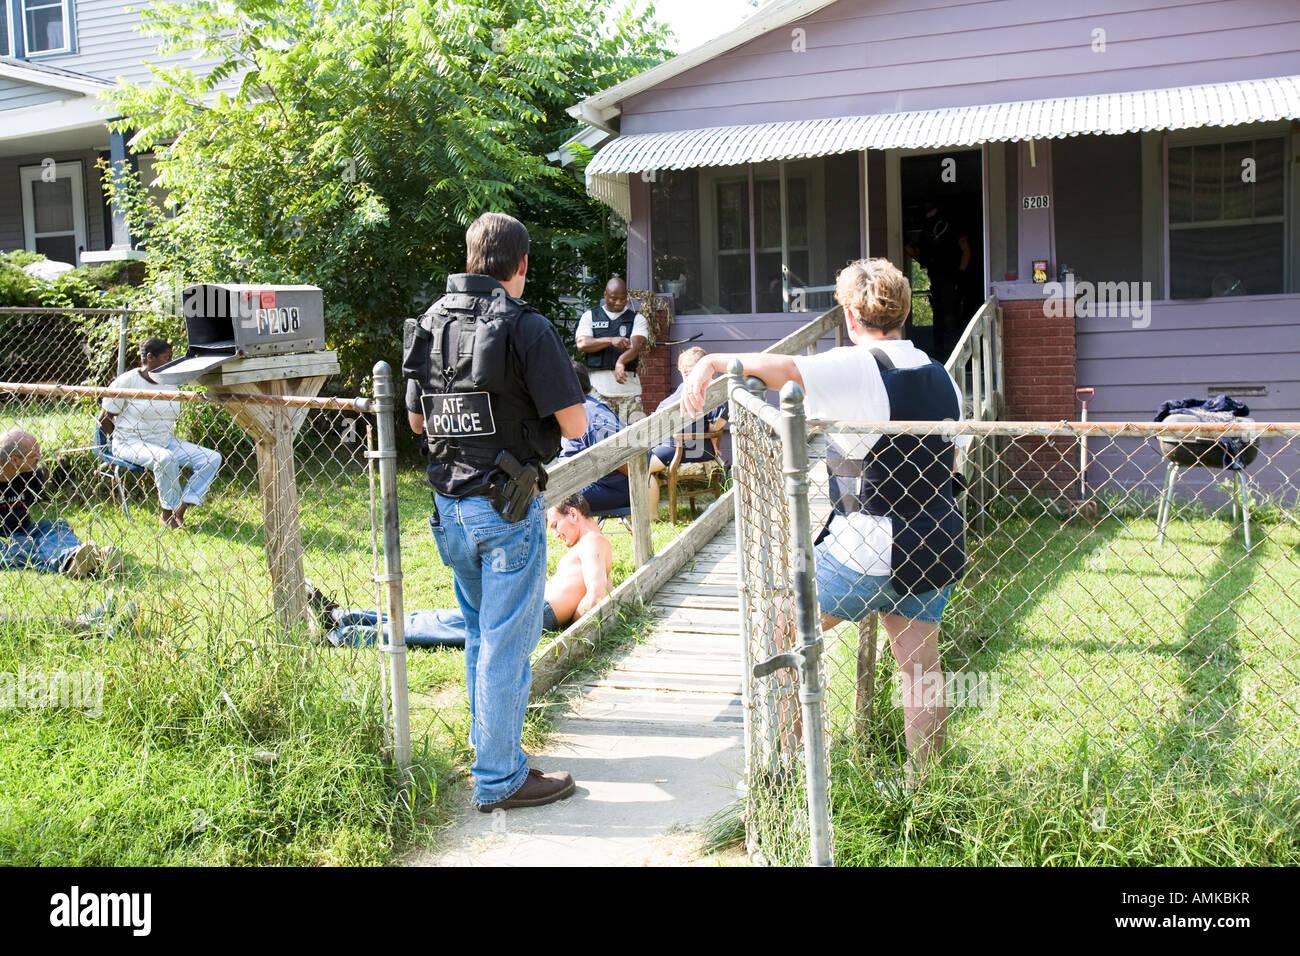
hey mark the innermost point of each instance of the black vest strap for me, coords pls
(469, 350)
(908, 479)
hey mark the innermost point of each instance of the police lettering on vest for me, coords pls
(472, 396)
(603, 326)
(909, 479)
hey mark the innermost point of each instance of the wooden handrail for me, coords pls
(630, 446)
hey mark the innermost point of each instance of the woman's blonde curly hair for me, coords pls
(879, 295)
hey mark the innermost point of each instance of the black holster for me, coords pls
(513, 499)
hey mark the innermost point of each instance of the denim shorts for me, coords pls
(851, 596)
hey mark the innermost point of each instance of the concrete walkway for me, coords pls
(655, 746)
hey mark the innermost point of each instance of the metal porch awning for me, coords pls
(1183, 107)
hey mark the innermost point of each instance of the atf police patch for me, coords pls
(458, 414)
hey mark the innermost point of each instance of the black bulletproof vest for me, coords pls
(908, 479)
(474, 399)
(603, 326)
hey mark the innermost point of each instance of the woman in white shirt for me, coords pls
(144, 432)
(896, 542)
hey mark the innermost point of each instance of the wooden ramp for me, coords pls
(655, 745)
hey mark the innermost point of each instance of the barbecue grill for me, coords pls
(1204, 453)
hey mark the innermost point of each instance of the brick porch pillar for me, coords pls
(656, 367)
(1039, 363)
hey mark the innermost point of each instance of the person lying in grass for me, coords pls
(580, 582)
(46, 545)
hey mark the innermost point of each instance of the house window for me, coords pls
(1227, 218)
(6, 48)
(700, 239)
(47, 26)
(54, 211)
(763, 239)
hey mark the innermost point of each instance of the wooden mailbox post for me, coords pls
(274, 429)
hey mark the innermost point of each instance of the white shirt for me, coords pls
(639, 325)
(150, 422)
(603, 382)
(844, 384)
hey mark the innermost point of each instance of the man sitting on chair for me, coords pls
(579, 583)
(696, 447)
(610, 492)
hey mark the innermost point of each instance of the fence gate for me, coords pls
(1117, 676)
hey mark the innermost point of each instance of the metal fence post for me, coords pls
(122, 329)
(735, 382)
(794, 454)
(395, 645)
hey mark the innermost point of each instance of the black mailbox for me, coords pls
(225, 321)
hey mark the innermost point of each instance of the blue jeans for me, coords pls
(360, 628)
(444, 627)
(42, 546)
(852, 596)
(500, 571)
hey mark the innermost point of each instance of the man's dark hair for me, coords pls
(153, 347)
(584, 377)
(495, 245)
(575, 502)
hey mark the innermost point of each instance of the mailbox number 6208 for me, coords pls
(278, 321)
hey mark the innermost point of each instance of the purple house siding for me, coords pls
(1108, 194)
(880, 56)
(1191, 348)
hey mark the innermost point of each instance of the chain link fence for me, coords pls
(76, 346)
(1117, 673)
(283, 530)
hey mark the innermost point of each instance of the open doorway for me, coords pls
(942, 198)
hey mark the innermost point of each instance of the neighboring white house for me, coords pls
(56, 59)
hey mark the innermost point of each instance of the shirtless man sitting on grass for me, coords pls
(583, 577)
(580, 583)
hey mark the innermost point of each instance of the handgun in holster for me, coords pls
(513, 499)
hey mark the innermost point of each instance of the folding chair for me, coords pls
(624, 515)
(111, 467)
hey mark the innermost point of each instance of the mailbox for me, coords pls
(227, 321)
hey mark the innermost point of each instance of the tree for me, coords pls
(347, 143)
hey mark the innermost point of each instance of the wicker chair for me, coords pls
(690, 479)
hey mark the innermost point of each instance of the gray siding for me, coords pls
(11, 208)
(1189, 348)
(109, 45)
(1097, 189)
(873, 56)
(15, 95)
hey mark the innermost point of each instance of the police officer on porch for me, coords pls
(491, 387)
(611, 337)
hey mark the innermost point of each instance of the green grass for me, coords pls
(1146, 707)
(223, 739)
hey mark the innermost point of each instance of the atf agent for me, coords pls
(611, 337)
(490, 386)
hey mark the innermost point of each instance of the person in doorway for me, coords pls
(895, 540)
(944, 250)
(144, 432)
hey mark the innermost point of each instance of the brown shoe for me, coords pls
(538, 790)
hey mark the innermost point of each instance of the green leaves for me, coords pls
(348, 143)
